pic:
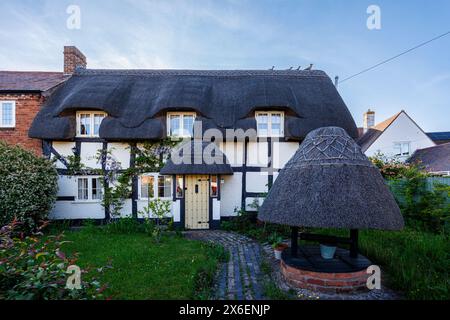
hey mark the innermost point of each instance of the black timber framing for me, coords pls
(134, 181)
(105, 181)
(47, 148)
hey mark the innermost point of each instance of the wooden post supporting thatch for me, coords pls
(354, 243)
(294, 241)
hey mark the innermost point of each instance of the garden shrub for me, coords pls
(35, 268)
(423, 208)
(28, 186)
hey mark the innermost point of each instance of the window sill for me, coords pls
(86, 137)
(87, 202)
(261, 136)
(151, 199)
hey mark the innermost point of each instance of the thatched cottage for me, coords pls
(118, 111)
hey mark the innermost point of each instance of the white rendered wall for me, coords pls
(403, 129)
(141, 204)
(88, 155)
(68, 187)
(121, 153)
(127, 210)
(230, 194)
(64, 148)
(257, 154)
(234, 151)
(216, 209)
(176, 212)
(249, 202)
(282, 152)
(77, 210)
(257, 181)
(275, 176)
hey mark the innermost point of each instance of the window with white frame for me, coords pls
(88, 123)
(402, 149)
(180, 124)
(270, 123)
(89, 189)
(155, 186)
(7, 114)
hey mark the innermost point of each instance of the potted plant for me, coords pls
(277, 245)
(327, 250)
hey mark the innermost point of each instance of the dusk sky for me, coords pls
(238, 34)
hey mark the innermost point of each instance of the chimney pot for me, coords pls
(73, 58)
(368, 120)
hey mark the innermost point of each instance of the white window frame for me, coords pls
(402, 144)
(91, 117)
(181, 115)
(13, 122)
(155, 187)
(269, 123)
(89, 188)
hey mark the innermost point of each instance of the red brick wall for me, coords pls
(27, 106)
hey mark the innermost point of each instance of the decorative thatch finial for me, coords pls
(330, 183)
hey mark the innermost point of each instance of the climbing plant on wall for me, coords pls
(118, 182)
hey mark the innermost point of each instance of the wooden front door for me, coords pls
(197, 202)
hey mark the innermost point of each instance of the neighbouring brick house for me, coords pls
(22, 93)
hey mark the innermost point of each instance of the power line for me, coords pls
(396, 56)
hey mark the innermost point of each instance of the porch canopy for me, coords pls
(197, 157)
(330, 183)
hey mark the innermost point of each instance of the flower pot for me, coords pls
(327, 251)
(278, 250)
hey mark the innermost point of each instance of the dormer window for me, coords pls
(88, 123)
(180, 124)
(270, 123)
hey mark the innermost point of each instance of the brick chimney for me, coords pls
(368, 120)
(73, 58)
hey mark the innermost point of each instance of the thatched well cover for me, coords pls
(330, 183)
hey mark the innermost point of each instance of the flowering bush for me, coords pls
(28, 186)
(33, 268)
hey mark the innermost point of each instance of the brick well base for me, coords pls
(325, 282)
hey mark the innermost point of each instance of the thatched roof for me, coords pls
(136, 101)
(197, 157)
(433, 159)
(330, 183)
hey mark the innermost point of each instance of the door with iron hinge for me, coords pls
(197, 202)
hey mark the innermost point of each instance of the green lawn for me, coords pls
(176, 268)
(417, 262)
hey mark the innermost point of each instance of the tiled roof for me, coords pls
(373, 133)
(30, 80)
(434, 159)
(439, 136)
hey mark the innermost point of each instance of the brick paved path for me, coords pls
(240, 278)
